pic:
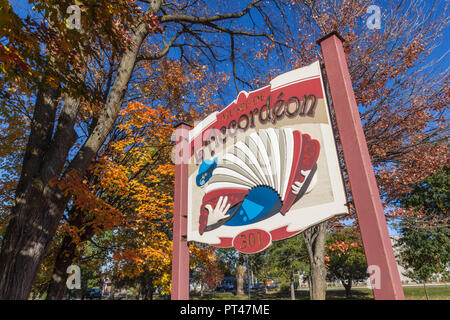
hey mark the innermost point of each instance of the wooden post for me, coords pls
(180, 257)
(372, 222)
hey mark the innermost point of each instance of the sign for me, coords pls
(265, 168)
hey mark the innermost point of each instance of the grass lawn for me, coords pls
(434, 292)
(411, 293)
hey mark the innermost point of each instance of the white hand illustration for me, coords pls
(298, 185)
(219, 211)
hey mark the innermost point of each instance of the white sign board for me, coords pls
(265, 168)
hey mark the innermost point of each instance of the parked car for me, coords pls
(256, 288)
(225, 287)
(93, 294)
(259, 287)
(273, 285)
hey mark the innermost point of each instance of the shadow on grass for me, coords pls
(441, 292)
(357, 294)
(334, 294)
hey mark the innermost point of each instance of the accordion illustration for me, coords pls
(262, 175)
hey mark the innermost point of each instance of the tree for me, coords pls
(424, 254)
(315, 244)
(428, 202)
(137, 203)
(205, 267)
(38, 207)
(232, 263)
(345, 258)
(240, 274)
(424, 241)
(59, 65)
(259, 267)
(287, 258)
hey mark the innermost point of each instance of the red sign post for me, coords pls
(372, 222)
(180, 255)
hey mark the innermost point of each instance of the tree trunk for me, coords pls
(240, 276)
(26, 241)
(111, 293)
(315, 244)
(150, 293)
(292, 286)
(148, 288)
(63, 260)
(13, 279)
(348, 288)
(65, 256)
(426, 292)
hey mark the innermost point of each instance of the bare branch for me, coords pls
(194, 19)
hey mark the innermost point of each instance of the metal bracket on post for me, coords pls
(180, 256)
(372, 222)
